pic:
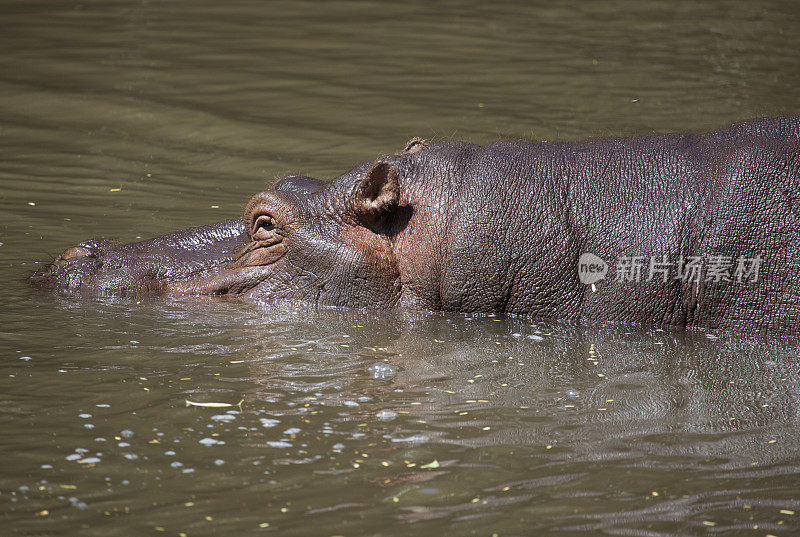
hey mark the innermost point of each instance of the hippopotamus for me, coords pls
(679, 229)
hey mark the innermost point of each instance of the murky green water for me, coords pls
(128, 119)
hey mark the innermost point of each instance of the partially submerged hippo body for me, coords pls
(610, 229)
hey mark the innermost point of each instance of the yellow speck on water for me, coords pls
(709, 523)
(147, 389)
(772, 441)
(654, 493)
(209, 517)
(159, 528)
(384, 463)
(68, 487)
(215, 206)
(43, 512)
(182, 534)
(487, 428)
(786, 512)
(118, 190)
(153, 441)
(237, 361)
(506, 489)
(449, 391)
(603, 408)
(32, 204)
(189, 504)
(483, 400)
(264, 525)
(395, 499)
(548, 447)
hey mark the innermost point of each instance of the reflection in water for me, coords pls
(130, 118)
(494, 425)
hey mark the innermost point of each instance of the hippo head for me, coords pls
(304, 239)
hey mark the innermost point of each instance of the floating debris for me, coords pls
(213, 405)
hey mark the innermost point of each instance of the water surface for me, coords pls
(126, 119)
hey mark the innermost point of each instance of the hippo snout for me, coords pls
(72, 270)
(148, 268)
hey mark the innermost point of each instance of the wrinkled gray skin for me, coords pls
(499, 228)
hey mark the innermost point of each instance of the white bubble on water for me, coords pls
(386, 415)
(269, 422)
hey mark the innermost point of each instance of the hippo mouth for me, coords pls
(243, 273)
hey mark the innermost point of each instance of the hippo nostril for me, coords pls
(77, 251)
(74, 253)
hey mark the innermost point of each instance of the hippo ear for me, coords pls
(378, 193)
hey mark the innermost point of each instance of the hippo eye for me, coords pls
(263, 227)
